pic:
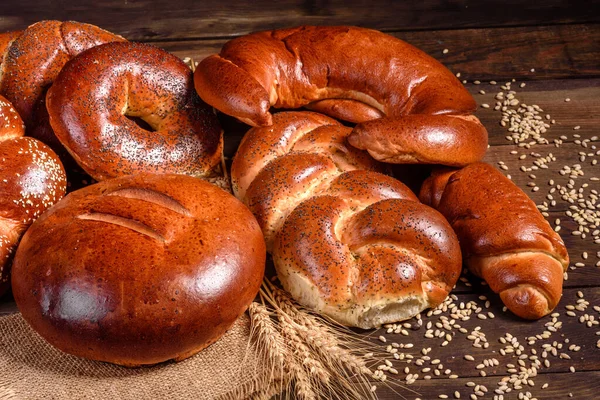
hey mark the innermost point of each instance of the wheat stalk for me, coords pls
(317, 357)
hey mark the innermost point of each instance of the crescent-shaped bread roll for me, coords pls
(504, 238)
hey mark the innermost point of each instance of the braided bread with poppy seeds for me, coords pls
(504, 238)
(347, 240)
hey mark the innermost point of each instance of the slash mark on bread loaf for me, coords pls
(124, 222)
(152, 196)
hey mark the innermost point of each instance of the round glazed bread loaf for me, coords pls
(350, 73)
(140, 269)
(32, 61)
(347, 241)
(31, 180)
(98, 92)
(504, 238)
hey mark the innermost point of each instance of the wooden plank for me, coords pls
(182, 19)
(562, 51)
(560, 386)
(577, 340)
(582, 109)
(566, 155)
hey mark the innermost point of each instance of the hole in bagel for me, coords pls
(141, 123)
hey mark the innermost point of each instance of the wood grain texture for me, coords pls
(560, 387)
(556, 373)
(582, 109)
(185, 19)
(560, 51)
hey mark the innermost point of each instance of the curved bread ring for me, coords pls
(99, 91)
(350, 73)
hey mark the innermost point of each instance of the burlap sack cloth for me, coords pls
(32, 369)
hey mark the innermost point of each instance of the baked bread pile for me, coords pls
(409, 110)
(149, 265)
(152, 264)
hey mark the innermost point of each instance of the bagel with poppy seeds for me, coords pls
(99, 95)
(346, 240)
(33, 60)
(504, 238)
(31, 180)
(140, 269)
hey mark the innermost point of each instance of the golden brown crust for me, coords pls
(453, 140)
(95, 95)
(433, 187)
(299, 66)
(346, 110)
(503, 236)
(261, 145)
(140, 269)
(6, 39)
(391, 249)
(31, 180)
(278, 167)
(34, 59)
(343, 236)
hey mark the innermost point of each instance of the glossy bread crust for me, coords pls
(354, 74)
(350, 72)
(96, 95)
(6, 39)
(140, 269)
(504, 238)
(33, 60)
(32, 179)
(347, 240)
(453, 140)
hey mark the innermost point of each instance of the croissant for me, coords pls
(504, 238)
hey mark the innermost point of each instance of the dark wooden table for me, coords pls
(550, 54)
